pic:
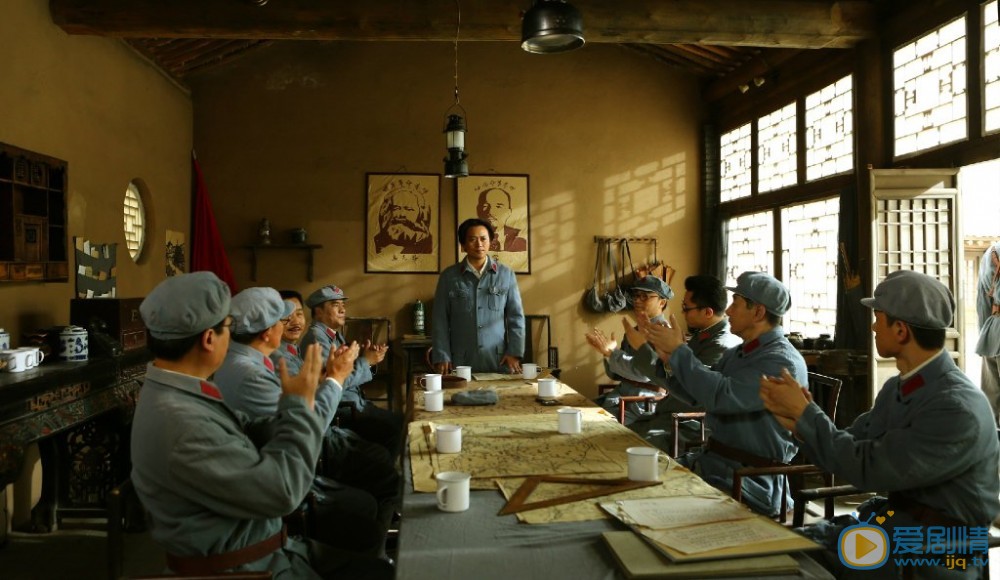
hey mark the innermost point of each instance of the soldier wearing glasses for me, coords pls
(622, 363)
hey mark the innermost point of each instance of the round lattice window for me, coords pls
(135, 221)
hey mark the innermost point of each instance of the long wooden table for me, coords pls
(480, 544)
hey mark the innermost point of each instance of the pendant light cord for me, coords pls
(458, 28)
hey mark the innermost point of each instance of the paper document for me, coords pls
(718, 535)
(671, 512)
(495, 377)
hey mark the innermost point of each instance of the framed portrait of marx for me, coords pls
(403, 225)
(501, 200)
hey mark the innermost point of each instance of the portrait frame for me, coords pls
(475, 193)
(412, 244)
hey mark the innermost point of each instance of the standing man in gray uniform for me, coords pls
(988, 311)
(478, 319)
(623, 363)
(328, 306)
(929, 440)
(216, 497)
(744, 433)
(703, 306)
(290, 336)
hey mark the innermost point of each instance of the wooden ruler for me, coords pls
(518, 502)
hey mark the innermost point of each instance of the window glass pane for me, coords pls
(809, 266)
(929, 99)
(735, 154)
(991, 65)
(776, 149)
(830, 130)
(749, 245)
(135, 221)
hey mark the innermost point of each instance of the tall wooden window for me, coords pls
(991, 66)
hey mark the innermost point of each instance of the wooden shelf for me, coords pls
(254, 248)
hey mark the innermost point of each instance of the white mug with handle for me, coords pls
(453, 491)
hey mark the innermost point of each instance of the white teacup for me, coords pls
(548, 388)
(449, 438)
(434, 400)
(18, 360)
(642, 463)
(464, 372)
(35, 355)
(431, 382)
(453, 491)
(570, 420)
(529, 370)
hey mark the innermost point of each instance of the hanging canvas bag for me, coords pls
(593, 298)
(615, 299)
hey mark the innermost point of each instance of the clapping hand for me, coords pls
(306, 382)
(634, 335)
(340, 365)
(665, 338)
(785, 398)
(375, 353)
(601, 343)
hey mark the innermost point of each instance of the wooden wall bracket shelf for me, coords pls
(254, 248)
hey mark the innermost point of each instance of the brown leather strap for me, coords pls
(228, 560)
(926, 515)
(744, 457)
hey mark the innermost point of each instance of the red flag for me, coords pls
(207, 252)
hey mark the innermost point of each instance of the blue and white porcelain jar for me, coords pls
(73, 344)
(4, 339)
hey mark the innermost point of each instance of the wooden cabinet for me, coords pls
(33, 237)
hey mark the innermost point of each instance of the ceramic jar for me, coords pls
(4, 339)
(73, 344)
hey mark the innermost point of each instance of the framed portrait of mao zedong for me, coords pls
(501, 200)
(403, 225)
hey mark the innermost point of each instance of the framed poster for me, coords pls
(501, 200)
(403, 225)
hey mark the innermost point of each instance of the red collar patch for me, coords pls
(911, 385)
(291, 348)
(331, 333)
(269, 364)
(209, 390)
(704, 335)
(493, 266)
(751, 346)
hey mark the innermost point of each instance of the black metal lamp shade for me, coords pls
(455, 164)
(552, 26)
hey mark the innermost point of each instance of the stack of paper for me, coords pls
(702, 528)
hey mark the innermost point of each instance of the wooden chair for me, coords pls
(826, 393)
(379, 331)
(698, 416)
(540, 324)
(647, 401)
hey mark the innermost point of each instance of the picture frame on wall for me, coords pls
(403, 225)
(503, 201)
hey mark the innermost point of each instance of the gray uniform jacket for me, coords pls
(989, 325)
(291, 355)
(707, 345)
(328, 339)
(477, 320)
(931, 438)
(249, 383)
(207, 487)
(627, 363)
(730, 394)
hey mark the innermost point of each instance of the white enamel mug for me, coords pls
(453, 491)
(570, 420)
(548, 388)
(449, 438)
(431, 382)
(464, 372)
(434, 400)
(529, 370)
(642, 463)
(35, 355)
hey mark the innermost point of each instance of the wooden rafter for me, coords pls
(762, 23)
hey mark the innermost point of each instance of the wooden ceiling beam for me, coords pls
(764, 23)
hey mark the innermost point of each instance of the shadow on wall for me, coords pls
(642, 202)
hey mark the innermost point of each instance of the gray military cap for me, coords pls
(257, 309)
(325, 294)
(655, 285)
(914, 298)
(765, 290)
(185, 305)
